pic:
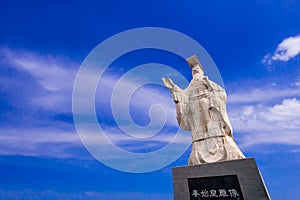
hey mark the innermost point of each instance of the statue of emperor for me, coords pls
(201, 109)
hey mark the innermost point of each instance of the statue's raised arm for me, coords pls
(168, 83)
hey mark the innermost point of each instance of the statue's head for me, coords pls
(195, 65)
(196, 69)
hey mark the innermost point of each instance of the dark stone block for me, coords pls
(235, 179)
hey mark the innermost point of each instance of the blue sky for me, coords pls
(255, 45)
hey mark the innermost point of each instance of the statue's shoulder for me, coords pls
(214, 85)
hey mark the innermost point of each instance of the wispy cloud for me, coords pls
(41, 142)
(58, 143)
(261, 94)
(287, 49)
(49, 194)
(54, 74)
(45, 136)
(139, 101)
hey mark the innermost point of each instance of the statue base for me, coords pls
(234, 179)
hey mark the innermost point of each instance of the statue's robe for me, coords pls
(200, 96)
(201, 109)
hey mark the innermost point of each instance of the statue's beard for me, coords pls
(197, 75)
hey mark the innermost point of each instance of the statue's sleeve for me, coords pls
(181, 100)
(218, 101)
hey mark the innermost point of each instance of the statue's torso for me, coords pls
(197, 88)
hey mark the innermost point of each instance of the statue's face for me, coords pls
(197, 70)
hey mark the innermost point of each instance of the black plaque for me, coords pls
(217, 187)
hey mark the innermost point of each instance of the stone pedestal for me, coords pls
(234, 179)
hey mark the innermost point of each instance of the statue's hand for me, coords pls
(168, 83)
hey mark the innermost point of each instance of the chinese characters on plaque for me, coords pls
(218, 187)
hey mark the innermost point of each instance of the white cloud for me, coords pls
(255, 95)
(138, 101)
(55, 74)
(60, 143)
(288, 110)
(41, 142)
(115, 135)
(248, 110)
(259, 124)
(297, 83)
(260, 138)
(287, 49)
(268, 114)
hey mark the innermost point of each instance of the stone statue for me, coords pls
(201, 109)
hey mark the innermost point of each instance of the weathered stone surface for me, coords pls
(201, 108)
(251, 185)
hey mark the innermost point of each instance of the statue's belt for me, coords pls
(209, 137)
(199, 96)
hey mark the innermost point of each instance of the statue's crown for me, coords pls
(194, 62)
